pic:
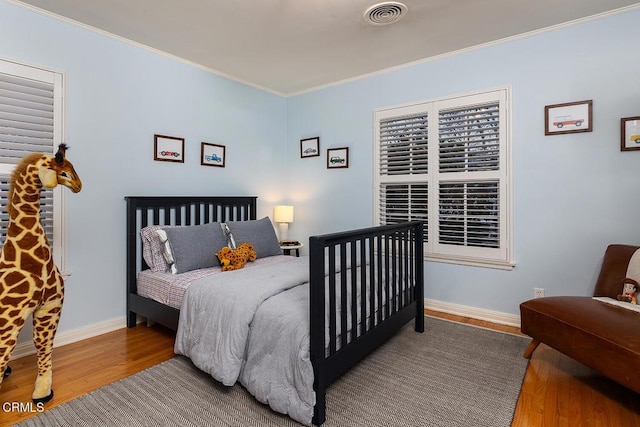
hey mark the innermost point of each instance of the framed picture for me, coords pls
(338, 158)
(168, 148)
(572, 117)
(630, 133)
(212, 155)
(310, 147)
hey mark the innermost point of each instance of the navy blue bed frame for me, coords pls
(394, 254)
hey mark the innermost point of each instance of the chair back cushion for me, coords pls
(620, 261)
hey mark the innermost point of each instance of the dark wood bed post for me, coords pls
(317, 325)
(132, 237)
(419, 268)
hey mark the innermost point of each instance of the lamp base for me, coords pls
(284, 231)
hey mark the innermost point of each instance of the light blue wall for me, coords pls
(573, 194)
(117, 97)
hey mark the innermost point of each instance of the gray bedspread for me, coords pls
(254, 322)
(278, 368)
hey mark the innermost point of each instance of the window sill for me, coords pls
(499, 265)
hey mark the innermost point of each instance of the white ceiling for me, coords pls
(290, 46)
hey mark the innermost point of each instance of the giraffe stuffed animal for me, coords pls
(30, 281)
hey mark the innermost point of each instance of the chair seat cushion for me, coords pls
(599, 335)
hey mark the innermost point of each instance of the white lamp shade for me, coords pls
(283, 213)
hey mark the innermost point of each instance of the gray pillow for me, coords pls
(195, 246)
(259, 233)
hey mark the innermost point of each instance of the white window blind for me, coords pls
(400, 202)
(458, 149)
(403, 145)
(30, 121)
(403, 159)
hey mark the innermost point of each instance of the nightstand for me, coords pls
(286, 249)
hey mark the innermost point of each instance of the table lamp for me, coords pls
(283, 215)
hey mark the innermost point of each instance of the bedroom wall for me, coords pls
(117, 97)
(573, 194)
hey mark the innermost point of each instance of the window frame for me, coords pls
(500, 257)
(25, 71)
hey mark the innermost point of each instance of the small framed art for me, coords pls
(168, 148)
(310, 147)
(571, 117)
(630, 133)
(338, 158)
(212, 154)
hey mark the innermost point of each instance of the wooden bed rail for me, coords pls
(383, 294)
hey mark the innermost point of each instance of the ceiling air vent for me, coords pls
(385, 13)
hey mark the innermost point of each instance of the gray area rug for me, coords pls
(452, 375)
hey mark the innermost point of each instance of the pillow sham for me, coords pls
(192, 247)
(153, 248)
(259, 233)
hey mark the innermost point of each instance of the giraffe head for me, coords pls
(58, 170)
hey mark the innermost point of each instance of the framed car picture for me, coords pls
(338, 158)
(168, 148)
(630, 133)
(571, 117)
(212, 155)
(310, 147)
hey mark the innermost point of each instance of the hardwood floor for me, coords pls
(82, 367)
(556, 391)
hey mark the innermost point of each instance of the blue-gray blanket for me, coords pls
(252, 325)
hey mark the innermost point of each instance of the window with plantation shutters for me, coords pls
(30, 121)
(446, 162)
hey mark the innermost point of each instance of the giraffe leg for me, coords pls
(45, 323)
(9, 338)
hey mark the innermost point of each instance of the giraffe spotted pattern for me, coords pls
(30, 281)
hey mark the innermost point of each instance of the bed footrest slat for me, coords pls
(391, 281)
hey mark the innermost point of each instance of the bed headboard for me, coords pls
(177, 210)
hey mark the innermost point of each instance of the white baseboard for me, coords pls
(74, 335)
(473, 312)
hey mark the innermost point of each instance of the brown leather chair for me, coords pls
(600, 335)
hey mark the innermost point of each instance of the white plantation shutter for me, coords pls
(469, 138)
(400, 202)
(4, 216)
(403, 145)
(26, 117)
(403, 159)
(30, 121)
(461, 154)
(469, 214)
